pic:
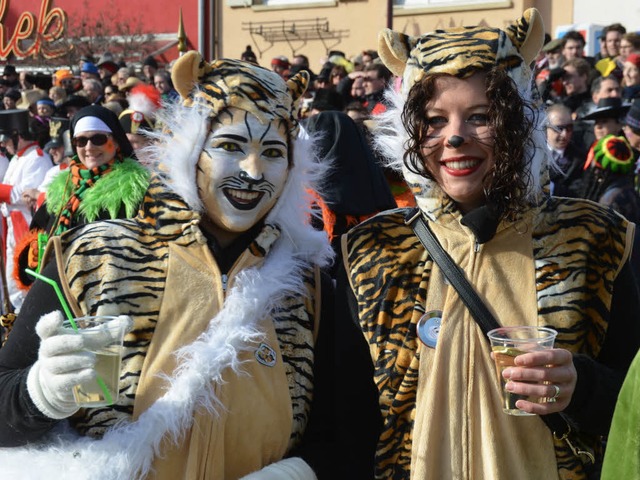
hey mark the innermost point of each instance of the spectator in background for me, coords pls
(122, 75)
(357, 112)
(326, 99)
(39, 123)
(64, 78)
(106, 68)
(357, 88)
(10, 76)
(575, 81)
(93, 90)
(338, 72)
(548, 76)
(631, 77)
(601, 87)
(58, 95)
(573, 46)
(609, 64)
(72, 104)
(10, 99)
(27, 169)
(89, 70)
(140, 117)
(249, 56)
(629, 44)
(280, 65)
(26, 80)
(302, 61)
(323, 79)
(608, 117)
(613, 37)
(376, 79)
(631, 127)
(368, 57)
(149, 69)
(568, 158)
(609, 180)
(164, 85)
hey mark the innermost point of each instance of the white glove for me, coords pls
(293, 468)
(63, 361)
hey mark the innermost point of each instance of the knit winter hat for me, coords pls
(614, 154)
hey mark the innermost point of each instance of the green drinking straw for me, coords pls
(67, 311)
(63, 301)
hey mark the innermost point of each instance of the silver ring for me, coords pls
(555, 395)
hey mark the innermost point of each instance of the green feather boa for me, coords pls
(125, 184)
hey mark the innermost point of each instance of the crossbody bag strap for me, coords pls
(454, 274)
(556, 422)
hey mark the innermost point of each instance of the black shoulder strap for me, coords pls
(454, 274)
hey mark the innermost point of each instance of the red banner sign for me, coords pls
(31, 35)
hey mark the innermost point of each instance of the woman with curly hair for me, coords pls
(468, 137)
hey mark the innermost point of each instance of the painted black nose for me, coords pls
(455, 141)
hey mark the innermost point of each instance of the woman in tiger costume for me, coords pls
(221, 274)
(467, 134)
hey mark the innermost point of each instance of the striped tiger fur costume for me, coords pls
(555, 265)
(207, 354)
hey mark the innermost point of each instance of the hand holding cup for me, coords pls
(535, 378)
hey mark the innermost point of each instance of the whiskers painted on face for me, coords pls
(432, 142)
(244, 182)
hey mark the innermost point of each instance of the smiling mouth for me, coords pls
(243, 199)
(461, 164)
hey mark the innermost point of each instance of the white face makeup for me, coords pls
(241, 172)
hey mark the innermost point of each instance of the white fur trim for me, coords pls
(127, 451)
(288, 469)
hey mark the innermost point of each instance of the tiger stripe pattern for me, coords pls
(578, 248)
(130, 270)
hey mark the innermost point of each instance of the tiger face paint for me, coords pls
(92, 155)
(241, 172)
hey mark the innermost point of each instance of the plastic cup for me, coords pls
(104, 389)
(509, 342)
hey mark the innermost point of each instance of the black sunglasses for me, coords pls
(98, 139)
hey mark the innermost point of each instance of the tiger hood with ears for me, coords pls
(461, 52)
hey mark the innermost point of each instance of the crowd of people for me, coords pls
(272, 238)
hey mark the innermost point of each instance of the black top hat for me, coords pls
(14, 121)
(608, 108)
(9, 70)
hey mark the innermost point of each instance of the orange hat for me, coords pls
(60, 75)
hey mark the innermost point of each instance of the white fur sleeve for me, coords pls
(288, 469)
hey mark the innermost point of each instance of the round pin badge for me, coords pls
(428, 328)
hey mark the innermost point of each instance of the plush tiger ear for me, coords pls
(394, 49)
(298, 84)
(188, 70)
(527, 34)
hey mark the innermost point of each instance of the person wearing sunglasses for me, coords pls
(568, 156)
(104, 181)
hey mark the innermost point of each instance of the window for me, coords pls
(443, 5)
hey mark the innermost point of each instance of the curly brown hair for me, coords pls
(505, 185)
